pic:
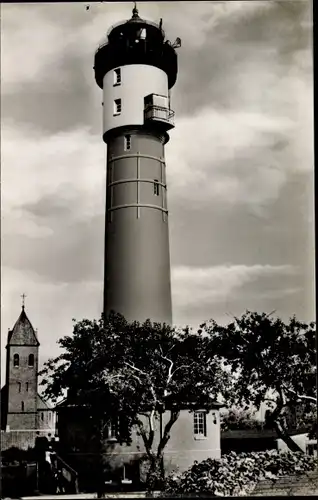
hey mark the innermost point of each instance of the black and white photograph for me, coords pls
(158, 249)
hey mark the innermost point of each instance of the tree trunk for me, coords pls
(155, 475)
(283, 434)
(100, 464)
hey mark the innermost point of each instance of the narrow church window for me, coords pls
(19, 386)
(27, 386)
(42, 416)
(31, 360)
(16, 360)
(199, 423)
(22, 405)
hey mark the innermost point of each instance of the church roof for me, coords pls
(42, 404)
(23, 332)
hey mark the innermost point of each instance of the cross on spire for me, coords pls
(23, 297)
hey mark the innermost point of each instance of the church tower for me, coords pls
(20, 398)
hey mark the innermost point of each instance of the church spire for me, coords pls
(23, 332)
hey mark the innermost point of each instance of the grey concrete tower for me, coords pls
(136, 68)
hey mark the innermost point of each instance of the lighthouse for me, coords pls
(136, 69)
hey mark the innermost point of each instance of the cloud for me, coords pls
(239, 162)
(208, 285)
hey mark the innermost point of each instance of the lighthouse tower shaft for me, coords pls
(136, 70)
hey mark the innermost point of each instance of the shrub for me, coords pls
(237, 474)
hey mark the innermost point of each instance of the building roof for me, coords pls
(258, 433)
(23, 332)
(43, 405)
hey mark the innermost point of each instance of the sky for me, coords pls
(239, 161)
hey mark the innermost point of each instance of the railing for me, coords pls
(159, 113)
(69, 474)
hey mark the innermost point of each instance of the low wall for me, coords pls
(300, 485)
(20, 439)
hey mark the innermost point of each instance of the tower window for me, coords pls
(31, 360)
(127, 142)
(199, 423)
(22, 405)
(117, 76)
(42, 416)
(27, 386)
(156, 187)
(16, 360)
(19, 386)
(117, 106)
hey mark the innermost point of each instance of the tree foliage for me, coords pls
(236, 475)
(271, 361)
(240, 419)
(113, 368)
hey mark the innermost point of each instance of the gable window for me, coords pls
(19, 386)
(199, 424)
(31, 360)
(117, 76)
(16, 360)
(127, 142)
(27, 386)
(156, 187)
(117, 106)
(22, 405)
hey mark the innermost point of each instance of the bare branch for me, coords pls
(184, 366)
(299, 396)
(151, 386)
(137, 369)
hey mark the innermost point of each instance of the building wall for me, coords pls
(20, 439)
(45, 420)
(137, 81)
(137, 257)
(181, 451)
(22, 388)
(184, 447)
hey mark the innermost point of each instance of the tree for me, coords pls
(240, 419)
(271, 361)
(112, 367)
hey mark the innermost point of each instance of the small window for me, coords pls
(22, 405)
(16, 360)
(156, 187)
(113, 428)
(199, 423)
(19, 386)
(127, 142)
(117, 76)
(117, 106)
(143, 34)
(42, 416)
(31, 360)
(27, 386)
